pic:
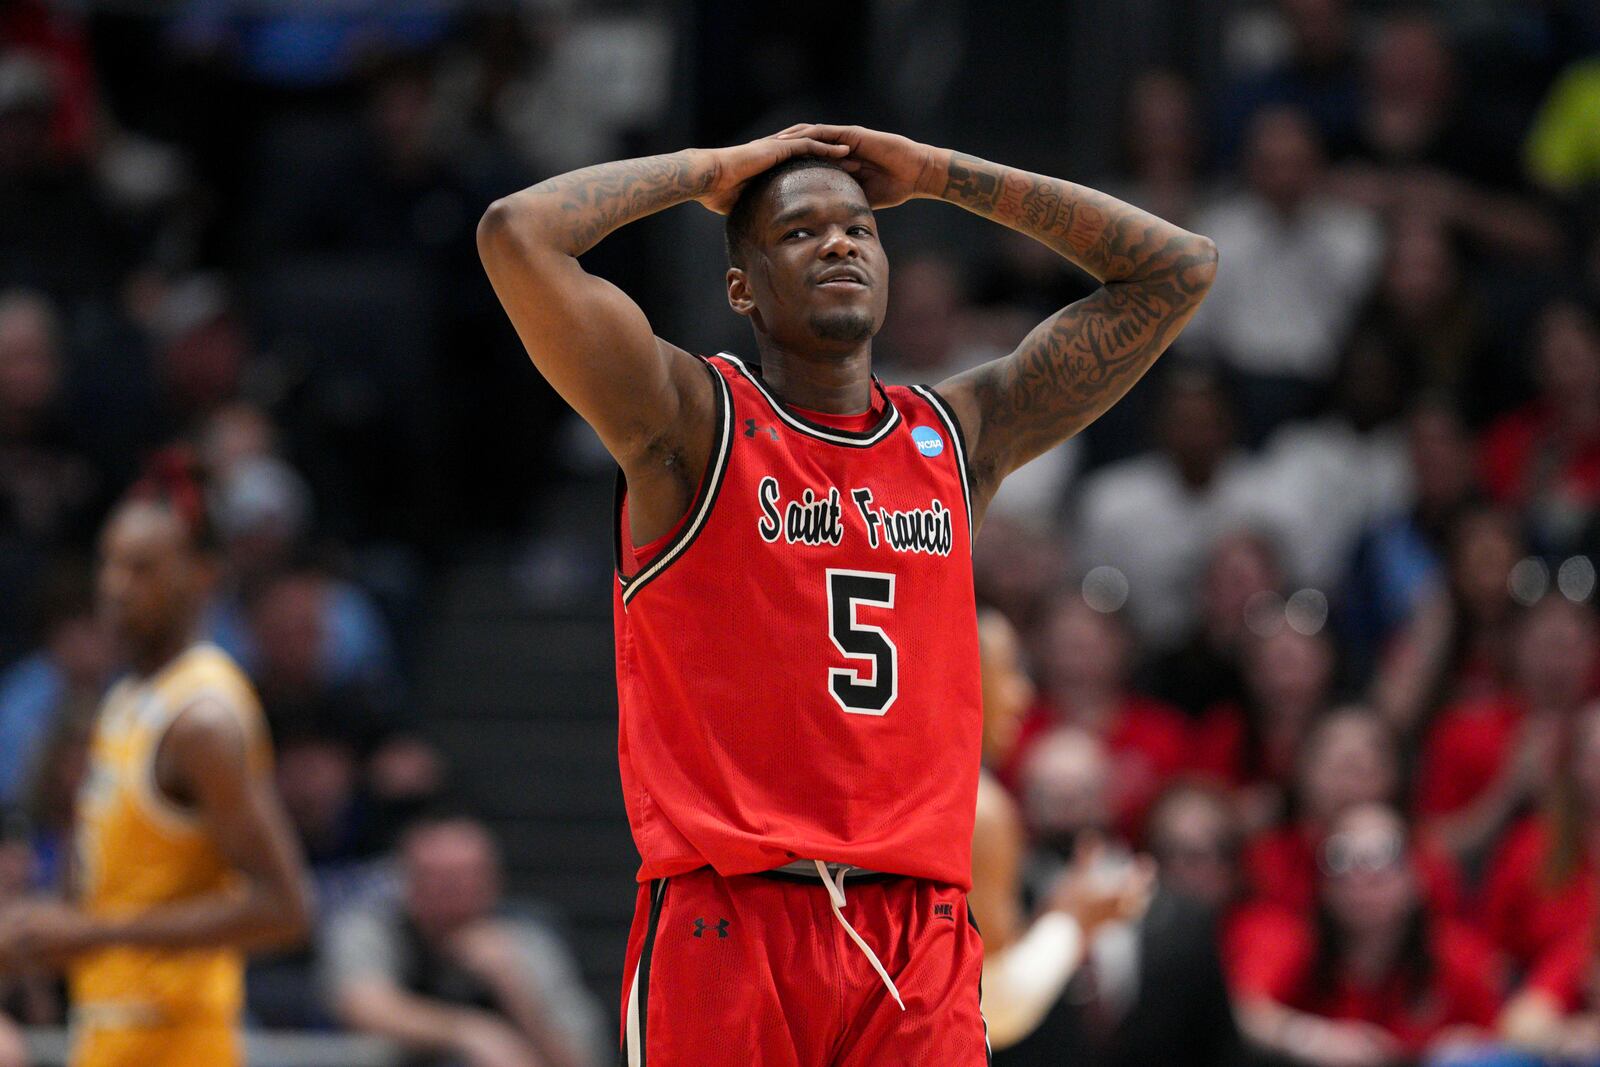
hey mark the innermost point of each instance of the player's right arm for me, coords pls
(651, 402)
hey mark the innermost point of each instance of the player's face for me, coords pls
(148, 575)
(815, 274)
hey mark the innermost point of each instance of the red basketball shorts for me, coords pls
(756, 971)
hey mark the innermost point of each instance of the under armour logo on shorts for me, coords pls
(721, 928)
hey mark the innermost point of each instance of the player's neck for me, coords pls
(838, 383)
(148, 659)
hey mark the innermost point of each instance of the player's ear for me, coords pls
(740, 298)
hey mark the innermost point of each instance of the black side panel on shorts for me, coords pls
(658, 894)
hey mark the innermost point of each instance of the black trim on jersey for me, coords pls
(942, 408)
(658, 895)
(699, 510)
(832, 435)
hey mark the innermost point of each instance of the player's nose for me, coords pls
(838, 244)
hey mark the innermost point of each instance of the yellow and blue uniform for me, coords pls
(137, 850)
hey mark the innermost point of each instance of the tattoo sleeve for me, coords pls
(1081, 360)
(582, 206)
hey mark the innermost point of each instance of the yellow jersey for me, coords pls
(136, 849)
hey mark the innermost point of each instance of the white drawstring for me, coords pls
(836, 901)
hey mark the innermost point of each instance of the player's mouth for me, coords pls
(842, 278)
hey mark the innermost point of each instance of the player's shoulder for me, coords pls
(208, 674)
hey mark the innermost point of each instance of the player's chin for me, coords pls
(851, 324)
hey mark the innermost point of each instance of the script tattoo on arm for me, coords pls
(593, 201)
(1073, 366)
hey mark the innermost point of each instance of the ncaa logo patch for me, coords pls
(929, 443)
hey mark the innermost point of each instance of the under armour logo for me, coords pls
(750, 428)
(700, 926)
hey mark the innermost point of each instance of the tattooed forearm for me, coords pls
(1081, 360)
(1071, 219)
(580, 207)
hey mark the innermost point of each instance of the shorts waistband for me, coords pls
(806, 871)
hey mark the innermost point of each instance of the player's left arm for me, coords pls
(270, 902)
(1077, 363)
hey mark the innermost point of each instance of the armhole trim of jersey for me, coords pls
(948, 417)
(157, 805)
(700, 510)
(847, 438)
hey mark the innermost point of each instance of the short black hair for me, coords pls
(741, 219)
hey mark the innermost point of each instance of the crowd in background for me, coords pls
(1310, 616)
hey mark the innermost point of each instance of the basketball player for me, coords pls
(184, 857)
(797, 662)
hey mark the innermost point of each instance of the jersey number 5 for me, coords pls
(865, 690)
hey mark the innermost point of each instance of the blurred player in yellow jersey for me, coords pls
(184, 858)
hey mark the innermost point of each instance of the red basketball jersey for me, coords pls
(797, 667)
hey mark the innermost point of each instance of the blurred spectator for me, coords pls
(1544, 458)
(1251, 746)
(48, 488)
(1421, 148)
(51, 35)
(351, 770)
(1485, 760)
(1195, 839)
(1154, 518)
(200, 350)
(1063, 783)
(1454, 647)
(1375, 976)
(1348, 759)
(56, 234)
(1084, 674)
(48, 810)
(1163, 147)
(1319, 76)
(449, 973)
(1299, 267)
(1541, 886)
(1027, 962)
(263, 517)
(925, 335)
(1431, 323)
(1206, 670)
(1323, 479)
(1017, 567)
(1150, 987)
(45, 485)
(70, 669)
(1399, 558)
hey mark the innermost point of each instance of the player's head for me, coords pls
(154, 557)
(805, 264)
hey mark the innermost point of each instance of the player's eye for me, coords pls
(860, 231)
(796, 233)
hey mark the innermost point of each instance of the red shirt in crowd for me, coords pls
(1148, 741)
(1280, 869)
(1461, 990)
(1217, 750)
(1566, 972)
(1516, 450)
(1465, 751)
(1524, 912)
